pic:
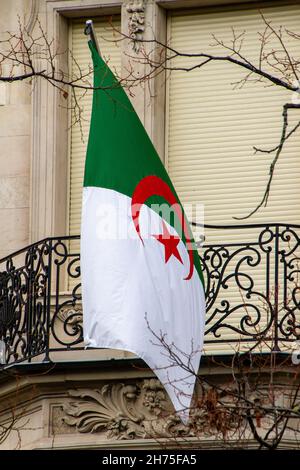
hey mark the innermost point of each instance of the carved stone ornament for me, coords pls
(126, 411)
(70, 315)
(136, 22)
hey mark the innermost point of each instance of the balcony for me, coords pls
(251, 282)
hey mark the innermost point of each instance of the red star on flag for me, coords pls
(170, 243)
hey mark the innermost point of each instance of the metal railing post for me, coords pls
(48, 304)
(276, 290)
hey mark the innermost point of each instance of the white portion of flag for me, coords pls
(131, 295)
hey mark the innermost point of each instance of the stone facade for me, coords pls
(121, 405)
(15, 143)
(93, 401)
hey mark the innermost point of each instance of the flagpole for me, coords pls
(89, 31)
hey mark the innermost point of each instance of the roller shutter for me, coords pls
(79, 133)
(212, 127)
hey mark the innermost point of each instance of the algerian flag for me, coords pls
(142, 287)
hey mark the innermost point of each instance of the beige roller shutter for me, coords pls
(79, 133)
(212, 127)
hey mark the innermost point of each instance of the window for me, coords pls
(211, 131)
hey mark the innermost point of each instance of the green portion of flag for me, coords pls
(120, 153)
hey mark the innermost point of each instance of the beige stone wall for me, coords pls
(33, 205)
(15, 138)
(122, 405)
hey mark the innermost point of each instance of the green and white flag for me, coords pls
(142, 286)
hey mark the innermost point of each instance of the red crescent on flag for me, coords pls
(155, 186)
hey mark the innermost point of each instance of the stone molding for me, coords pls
(141, 410)
(121, 405)
(136, 22)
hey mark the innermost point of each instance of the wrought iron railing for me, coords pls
(252, 291)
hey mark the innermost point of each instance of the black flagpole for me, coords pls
(89, 31)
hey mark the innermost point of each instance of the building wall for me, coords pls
(15, 141)
(34, 121)
(123, 406)
(34, 156)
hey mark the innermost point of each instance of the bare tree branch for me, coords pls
(283, 139)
